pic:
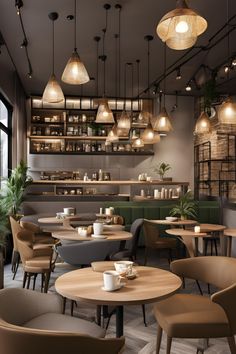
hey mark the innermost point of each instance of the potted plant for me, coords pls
(161, 169)
(186, 207)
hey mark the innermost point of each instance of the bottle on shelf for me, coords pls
(100, 175)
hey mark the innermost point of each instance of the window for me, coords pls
(5, 137)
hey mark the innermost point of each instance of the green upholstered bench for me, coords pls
(207, 211)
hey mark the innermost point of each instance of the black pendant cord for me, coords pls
(97, 40)
(75, 25)
(125, 80)
(104, 63)
(53, 48)
(132, 83)
(228, 39)
(119, 7)
(138, 79)
(164, 100)
(116, 65)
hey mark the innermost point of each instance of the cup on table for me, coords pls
(69, 211)
(197, 228)
(124, 267)
(97, 228)
(82, 231)
(108, 211)
(111, 280)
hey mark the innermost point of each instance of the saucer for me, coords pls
(99, 236)
(133, 275)
(121, 285)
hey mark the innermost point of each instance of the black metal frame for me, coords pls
(8, 130)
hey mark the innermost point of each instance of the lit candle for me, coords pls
(100, 211)
(197, 228)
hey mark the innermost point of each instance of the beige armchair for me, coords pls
(153, 240)
(40, 239)
(34, 261)
(195, 316)
(32, 322)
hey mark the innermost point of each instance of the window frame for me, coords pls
(8, 130)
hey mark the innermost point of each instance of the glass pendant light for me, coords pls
(162, 123)
(149, 136)
(180, 27)
(138, 143)
(203, 124)
(113, 134)
(124, 122)
(104, 113)
(75, 72)
(53, 92)
(227, 112)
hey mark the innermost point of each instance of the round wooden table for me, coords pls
(178, 222)
(151, 285)
(72, 235)
(229, 234)
(187, 237)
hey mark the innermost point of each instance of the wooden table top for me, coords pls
(72, 235)
(211, 227)
(182, 232)
(151, 285)
(230, 232)
(177, 222)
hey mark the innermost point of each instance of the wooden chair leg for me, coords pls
(216, 251)
(232, 346)
(168, 345)
(205, 246)
(28, 280)
(42, 281)
(159, 336)
(199, 287)
(211, 247)
(64, 305)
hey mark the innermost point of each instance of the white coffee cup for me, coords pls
(82, 231)
(108, 211)
(111, 280)
(97, 228)
(124, 267)
(69, 211)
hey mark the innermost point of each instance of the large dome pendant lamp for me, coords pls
(75, 72)
(104, 113)
(180, 27)
(162, 122)
(149, 136)
(53, 92)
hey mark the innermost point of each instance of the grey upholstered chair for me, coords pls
(130, 253)
(195, 316)
(31, 322)
(84, 253)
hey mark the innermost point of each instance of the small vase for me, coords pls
(183, 217)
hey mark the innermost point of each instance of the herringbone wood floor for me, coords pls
(139, 339)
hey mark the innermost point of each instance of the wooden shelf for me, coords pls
(73, 137)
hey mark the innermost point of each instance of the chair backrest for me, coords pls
(15, 228)
(15, 339)
(30, 226)
(215, 270)
(151, 233)
(83, 253)
(25, 245)
(135, 230)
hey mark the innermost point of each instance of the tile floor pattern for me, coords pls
(139, 339)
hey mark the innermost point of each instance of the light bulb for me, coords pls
(105, 114)
(181, 27)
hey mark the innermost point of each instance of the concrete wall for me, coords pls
(175, 149)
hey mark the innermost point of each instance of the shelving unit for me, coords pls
(70, 128)
(215, 176)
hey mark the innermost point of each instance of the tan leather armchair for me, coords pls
(34, 261)
(153, 240)
(40, 239)
(32, 322)
(195, 316)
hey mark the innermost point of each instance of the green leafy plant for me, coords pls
(12, 193)
(161, 169)
(186, 207)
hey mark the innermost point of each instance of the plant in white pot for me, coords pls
(161, 169)
(186, 207)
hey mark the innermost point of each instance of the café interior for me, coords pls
(118, 176)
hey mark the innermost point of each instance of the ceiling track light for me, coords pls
(18, 4)
(24, 43)
(178, 74)
(180, 27)
(188, 87)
